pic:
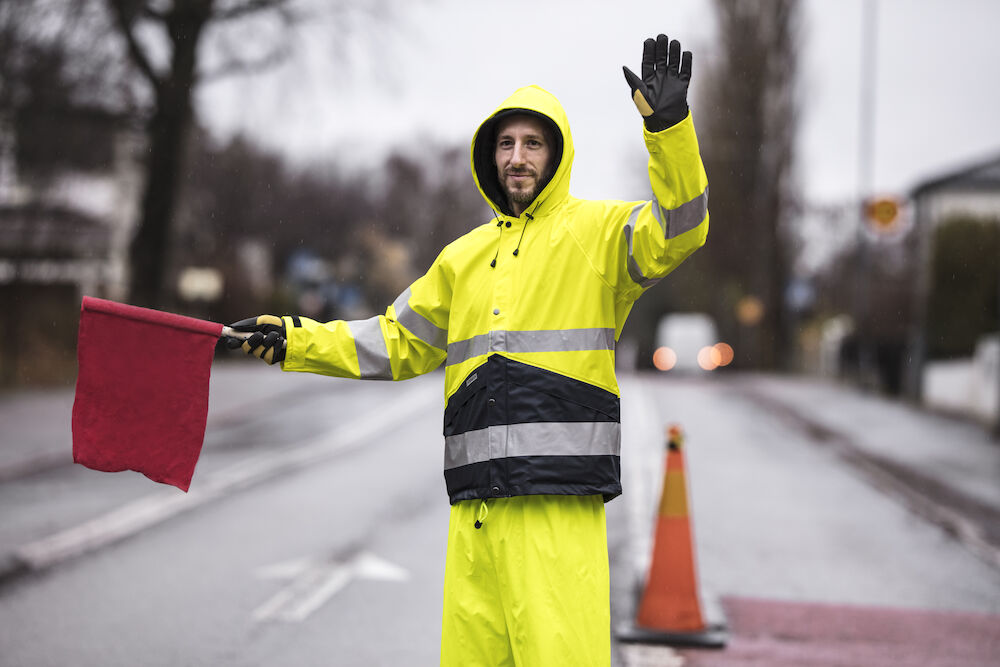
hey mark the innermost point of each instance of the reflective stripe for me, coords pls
(545, 340)
(461, 350)
(674, 222)
(417, 324)
(687, 216)
(373, 357)
(554, 340)
(660, 215)
(534, 439)
(634, 272)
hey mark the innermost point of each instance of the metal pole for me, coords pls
(996, 417)
(866, 159)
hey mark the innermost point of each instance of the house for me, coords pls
(65, 225)
(971, 192)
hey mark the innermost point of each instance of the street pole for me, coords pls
(866, 152)
(996, 417)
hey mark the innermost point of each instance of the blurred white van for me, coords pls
(689, 343)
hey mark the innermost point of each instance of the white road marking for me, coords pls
(314, 582)
(162, 505)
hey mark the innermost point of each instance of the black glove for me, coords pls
(267, 339)
(661, 94)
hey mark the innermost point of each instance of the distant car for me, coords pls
(689, 343)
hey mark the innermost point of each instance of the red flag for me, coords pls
(142, 390)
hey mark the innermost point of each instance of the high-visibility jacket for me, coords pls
(528, 340)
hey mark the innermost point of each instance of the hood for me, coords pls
(536, 101)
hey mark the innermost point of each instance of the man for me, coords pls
(524, 312)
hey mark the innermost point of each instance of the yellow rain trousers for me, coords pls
(530, 587)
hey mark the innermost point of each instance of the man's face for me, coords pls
(522, 157)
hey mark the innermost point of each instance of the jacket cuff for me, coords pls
(654, 139)
(294, 347)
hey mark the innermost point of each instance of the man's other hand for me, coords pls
(267, 337)
(661, 93)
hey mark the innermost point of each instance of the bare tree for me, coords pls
(748, 114)
(47, 89)
(177, 27)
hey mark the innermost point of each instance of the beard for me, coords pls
(525, 196)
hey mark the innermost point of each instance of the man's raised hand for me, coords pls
(661, 93)
(266, 340)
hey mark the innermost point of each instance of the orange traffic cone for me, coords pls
(670, 608)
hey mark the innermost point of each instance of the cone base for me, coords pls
(713, 636)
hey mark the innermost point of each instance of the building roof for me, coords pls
(983, 175)
(51, 232)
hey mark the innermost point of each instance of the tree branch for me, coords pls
(246, 8)
(156, 14)
(238, 67)
(138, 56)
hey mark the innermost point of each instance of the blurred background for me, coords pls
(833, 351)
(226, 158)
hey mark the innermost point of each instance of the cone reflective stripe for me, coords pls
(674, 501)
(670, 601)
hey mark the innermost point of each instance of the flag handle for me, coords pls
(243, 335)
(233, 333)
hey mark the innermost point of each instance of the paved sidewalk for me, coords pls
(961, 454)
(944, 469)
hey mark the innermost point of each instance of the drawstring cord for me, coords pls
(493, 264)
(496, 216)
(500, 224)
(481, 517)
(530, 218)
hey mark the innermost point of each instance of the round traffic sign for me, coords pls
(882, 212)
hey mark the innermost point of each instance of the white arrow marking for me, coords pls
(313, 582)
(288, 569)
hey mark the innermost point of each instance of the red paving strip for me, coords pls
(779, 634)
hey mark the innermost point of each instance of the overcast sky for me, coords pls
(441, 66)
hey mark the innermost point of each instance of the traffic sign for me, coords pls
(883, 213)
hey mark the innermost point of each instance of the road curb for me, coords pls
(966, 519)
(156, 507)
(35, 464)
(63, 457)
(12, 567)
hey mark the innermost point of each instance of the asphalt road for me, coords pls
(315, 532)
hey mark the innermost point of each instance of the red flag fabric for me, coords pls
(142, 390)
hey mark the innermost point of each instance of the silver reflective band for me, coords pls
(373, 358)
(541, 439)
(545, 340)
(659, 215)
(687, 216)
(417, 324)
(634, 272)
(461, 350)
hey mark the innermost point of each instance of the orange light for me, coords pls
(708, 358)
(664, 358)
(882, 212)
(749, 310)
(726, 353)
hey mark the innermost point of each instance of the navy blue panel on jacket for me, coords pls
(515, 429)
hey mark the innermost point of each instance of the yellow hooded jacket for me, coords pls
(528, 340)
